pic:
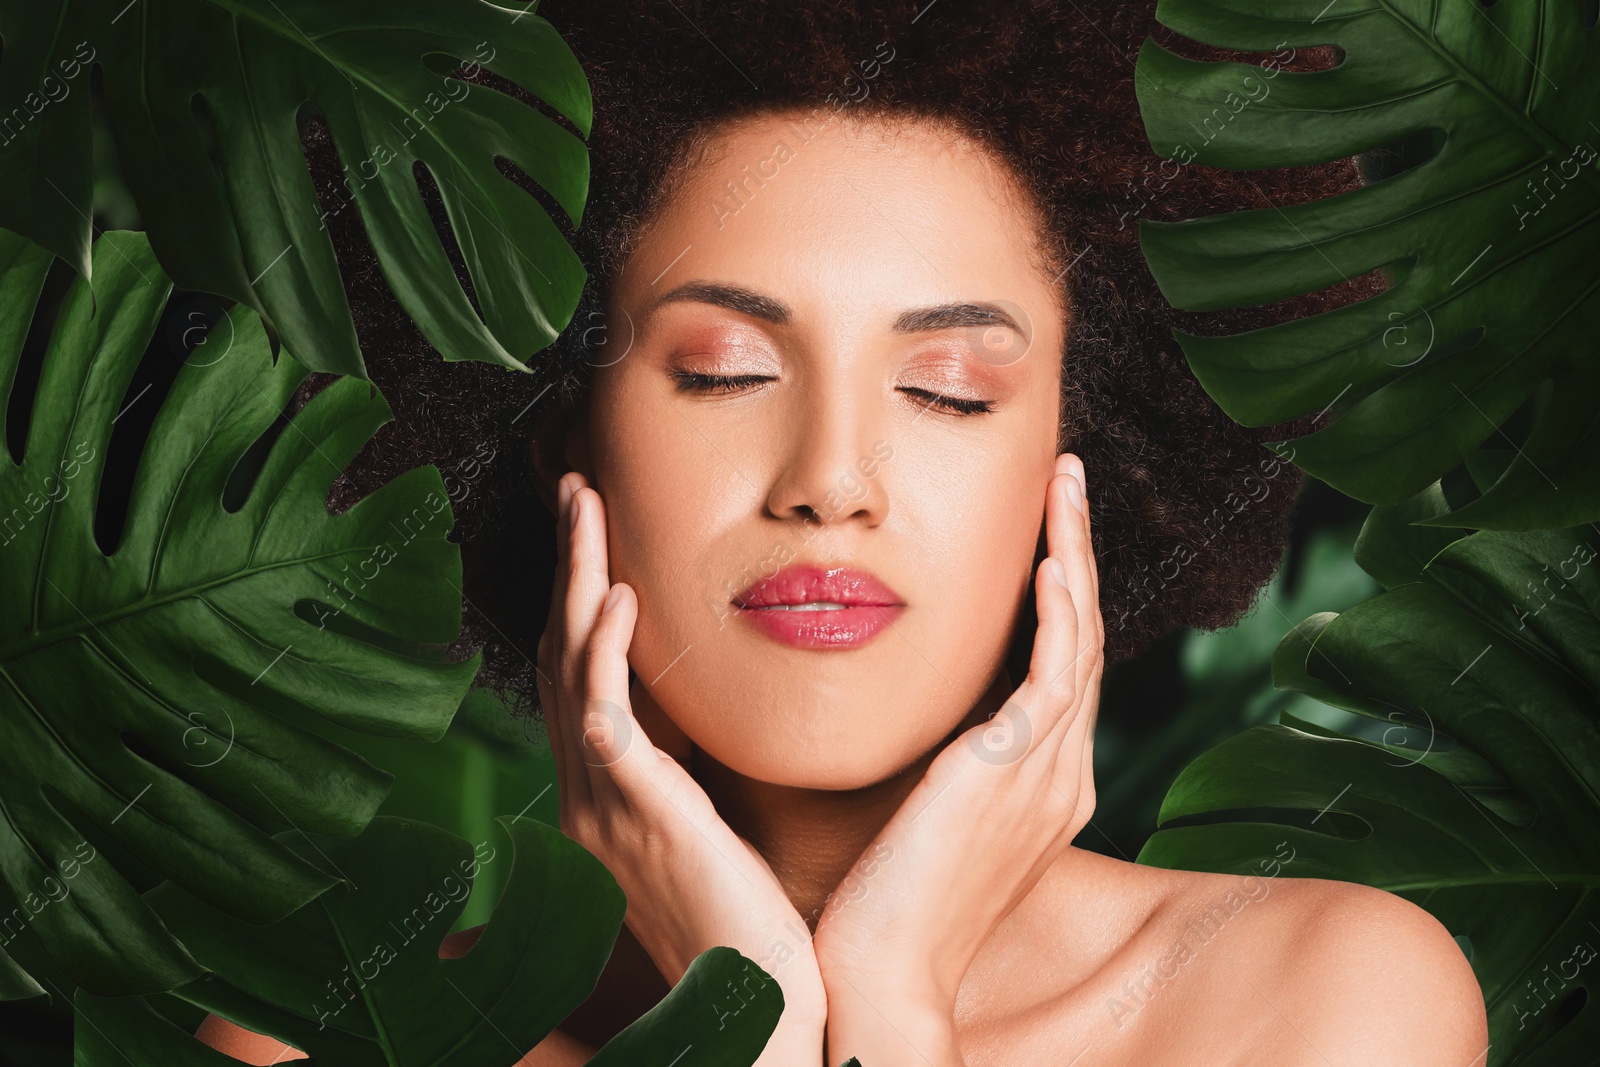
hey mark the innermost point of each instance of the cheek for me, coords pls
(975, 559)
(655, 531)
(667, 510)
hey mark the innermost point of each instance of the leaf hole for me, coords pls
(1511, 806)
(331, 178)
(1400, 155)
(522, 180)
(1286, 57)
(242, 479)
(304, 115)
(1290, 305)
(467, 69)
(25, 382)
(154, 756)
(147, 390)
(433, 200)
(1520, 424)
(1555, 1020)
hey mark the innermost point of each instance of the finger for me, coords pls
(612, 740)
(586, 585)
(1077, 554)
(587, 574)
(1089, 557)
(553, 625)
(1073, 775)
(545, 671)
(1079, 742)
(1074, 747)
(1052, 680)
(556, 624)
(1086, 775)
(547, 664)
(1055, 532)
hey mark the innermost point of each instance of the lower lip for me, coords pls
(849, 627)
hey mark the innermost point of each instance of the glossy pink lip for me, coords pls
(870, 606)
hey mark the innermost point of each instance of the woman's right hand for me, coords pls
(691, 883)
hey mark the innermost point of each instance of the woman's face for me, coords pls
(844, 281)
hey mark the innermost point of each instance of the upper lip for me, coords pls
(807, 583)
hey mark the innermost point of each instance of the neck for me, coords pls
(812, 837)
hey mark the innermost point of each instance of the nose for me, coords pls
(835, 445)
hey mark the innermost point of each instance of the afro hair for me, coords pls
(1190, 510)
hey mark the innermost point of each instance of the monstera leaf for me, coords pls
(489, 761)
(162, 696)
(1489, 243)
(1480, 800)
(355, 979)
(204, 99)
(1227, 687)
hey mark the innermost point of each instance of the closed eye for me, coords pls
(690, 382)
(953, 404)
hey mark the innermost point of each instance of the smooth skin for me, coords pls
(888, 830)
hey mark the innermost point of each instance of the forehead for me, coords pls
(859, 215)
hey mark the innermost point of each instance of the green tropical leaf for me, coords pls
(163, 697)
(1393, 548)
(205, 100)
(355, 977)
(1227, 680)
(721, 986)
(1480, 800)
(1489, 242)
(488, 762)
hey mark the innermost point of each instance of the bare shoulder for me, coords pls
(556, 1050)
(1328, 966)
(1362, 953)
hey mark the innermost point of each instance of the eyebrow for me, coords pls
(769, 309)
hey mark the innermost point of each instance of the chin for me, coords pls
(853, 750)
(832, 776)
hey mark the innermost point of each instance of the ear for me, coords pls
(560, 444)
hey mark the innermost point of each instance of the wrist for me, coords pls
(801, 1028)
(915, 991)
(924, 980)
(798, 1037)
(887, 1026)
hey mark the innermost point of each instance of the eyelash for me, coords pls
(689, 382)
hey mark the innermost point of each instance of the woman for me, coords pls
(877, 347)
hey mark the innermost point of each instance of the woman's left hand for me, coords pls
(995, 809)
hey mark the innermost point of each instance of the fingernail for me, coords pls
(563, 497)
(1057, 571)
(1075, 491)
(572, 513)
(611, 599)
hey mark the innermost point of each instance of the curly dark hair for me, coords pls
(1190, 510)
